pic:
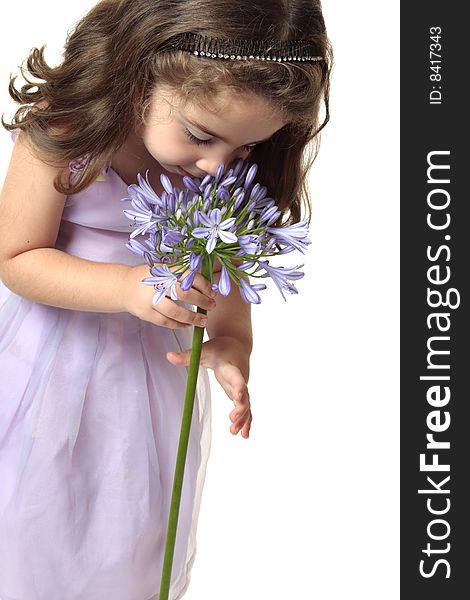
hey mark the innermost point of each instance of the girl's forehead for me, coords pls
(226, 109)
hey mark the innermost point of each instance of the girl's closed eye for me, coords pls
(198, 141)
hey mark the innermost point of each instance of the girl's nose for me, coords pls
(209, 163)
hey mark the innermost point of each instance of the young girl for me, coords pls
(92, 387)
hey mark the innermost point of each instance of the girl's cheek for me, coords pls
(163, 152)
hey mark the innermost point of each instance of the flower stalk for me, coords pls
(193, 370)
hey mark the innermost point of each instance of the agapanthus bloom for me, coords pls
(214, 228)
(226, 216)
(163, 280)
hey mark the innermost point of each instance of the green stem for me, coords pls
(193, 370)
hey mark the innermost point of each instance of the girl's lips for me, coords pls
(183, 172)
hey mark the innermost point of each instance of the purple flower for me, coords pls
(264, 203)
(187, 282)
(145, 190)
(166, 183)
(220, 207)
(250, 175)
(292, 235)
(190, 184)
(270, 215)
(146, 219)
(248, 292)
(281, 275)
(219, 172)
(227, 180)
(258, 193)
(238, 167)
(195, 261)
(239, 197)
(162, 280)
(250, 244)
(223, 194)
(148, 253)
(170, 239)
(207, 192)
(224, 282)
(246, 265)
(195, 217)
(214, 228)
(168, 202)
(205, 181)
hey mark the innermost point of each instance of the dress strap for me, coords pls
(77, 165)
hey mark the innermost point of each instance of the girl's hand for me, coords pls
(226, 356)
(137, 299)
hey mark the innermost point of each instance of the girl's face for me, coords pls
(190, 140)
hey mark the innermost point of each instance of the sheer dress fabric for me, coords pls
(90, 415)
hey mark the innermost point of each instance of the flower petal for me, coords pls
(227, 236)
(246, 265)
(219, 172)
(216, 216)
(250, 175)
(166, 183)
(211, 242)
(195, 261)
(190, 184)
(158, 297)
(227, 223)
(206, 180)
(201, 232)
(224, 282)
(205, 220)
(248, 293)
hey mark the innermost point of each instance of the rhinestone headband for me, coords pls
(274, 50)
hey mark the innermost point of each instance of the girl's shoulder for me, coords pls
(75, 166)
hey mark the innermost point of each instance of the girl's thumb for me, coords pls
(179, 358)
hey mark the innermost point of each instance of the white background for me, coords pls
(308, 507)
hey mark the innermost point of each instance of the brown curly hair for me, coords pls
(114, 57)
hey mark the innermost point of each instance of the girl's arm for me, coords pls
(30, 215)
(232, 318)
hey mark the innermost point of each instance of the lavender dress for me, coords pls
(90, 414)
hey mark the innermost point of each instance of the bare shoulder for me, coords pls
(30, 206)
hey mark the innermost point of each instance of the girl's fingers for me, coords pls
(174, 312)
(204, 286)
(238, 392)
(179, 358)
(162, 321)
(233, 377)
(232, 382)
(243, 424)
(226, 387)
(247, 426)
(197, 298)
(200, 293)
(239, 414)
